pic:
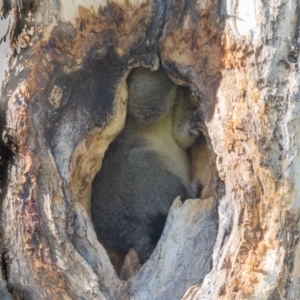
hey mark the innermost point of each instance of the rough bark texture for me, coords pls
(63, 101)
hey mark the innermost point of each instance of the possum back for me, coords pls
(131, 197)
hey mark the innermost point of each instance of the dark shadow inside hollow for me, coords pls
(160, 154)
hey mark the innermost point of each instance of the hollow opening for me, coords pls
(161, 153)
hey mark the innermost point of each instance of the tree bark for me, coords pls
(63, 101)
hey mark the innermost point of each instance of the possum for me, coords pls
(146, 167)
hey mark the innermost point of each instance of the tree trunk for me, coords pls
(63, 101)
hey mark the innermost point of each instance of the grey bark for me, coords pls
(63, 100)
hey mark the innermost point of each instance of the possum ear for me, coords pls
(151, 95)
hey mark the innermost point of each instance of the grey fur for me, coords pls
(140, 177)
(148, 92)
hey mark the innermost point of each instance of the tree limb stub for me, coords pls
(63, 101)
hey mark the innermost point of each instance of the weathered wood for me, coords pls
(63, 101)
(253, 133)
(189, 233)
